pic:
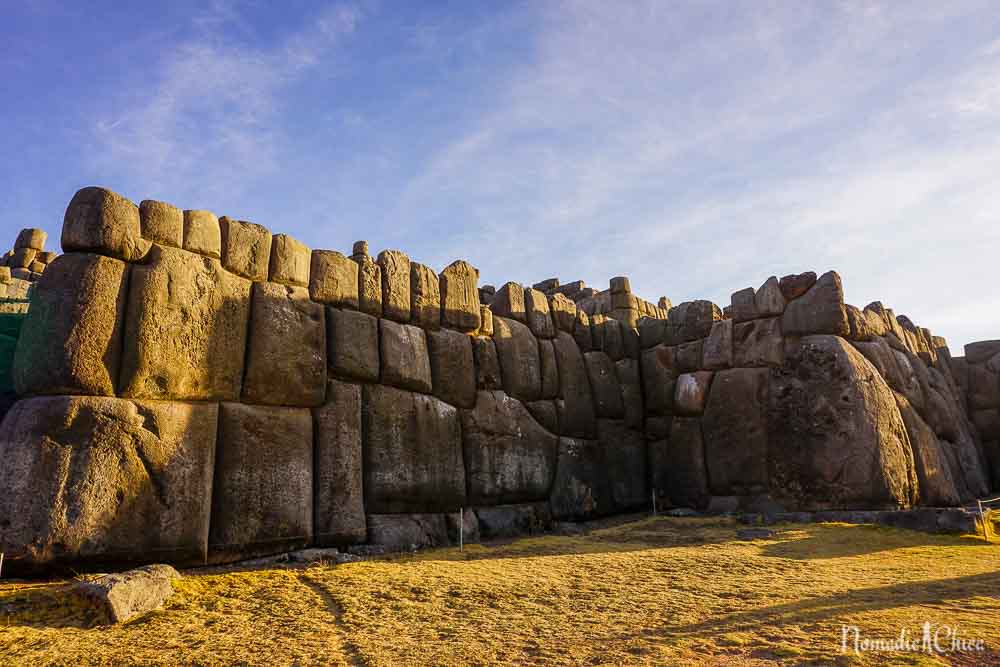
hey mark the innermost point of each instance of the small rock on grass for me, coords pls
(754, 534)
(120, 597)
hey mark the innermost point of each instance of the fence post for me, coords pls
(461, 529)
(982, 519)
(654, 502)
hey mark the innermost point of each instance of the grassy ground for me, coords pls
(665, 591)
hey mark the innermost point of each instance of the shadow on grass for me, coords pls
(825, 541)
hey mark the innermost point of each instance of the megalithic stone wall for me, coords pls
(195, 389)
(978, 377)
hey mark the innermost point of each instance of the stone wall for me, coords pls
(978, 377)
(195, 389)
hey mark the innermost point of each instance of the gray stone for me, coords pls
(286, 353)
(395, 267)
(734, 428)
(981, 351)
(509, 457)
(202, 233)
(453, 369)
(858, 322)
(161, 223)
(604, 385)
(545, 413)
(581, 489)
(514, 520)
(611, 338)
(460, 296)
(408, 532)
(744, 305)
(549, 371)
(630, 380)
(795, 285)
(581, 331)
(413, 453)
(651, 332)
(246, 248)
(821, 310)
(520, 362)
(117, 598)
(683, 464)
(339, 508)
(291, 261)
(717, 352)
(768, 299)
(758, 343)
(936, 484)
(625, 460)
(425, 297)
(71, 338)
(576, 416)
(103, 222)
(262, 497)
(487, 363)
(688, 356)
(333, 279)
(95, 480)
(405, 361)
(352, 345)
(659, 377)
(691, 393)
(178, 291)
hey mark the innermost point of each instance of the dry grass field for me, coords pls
(653, 591)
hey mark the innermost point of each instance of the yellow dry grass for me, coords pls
(655, 591)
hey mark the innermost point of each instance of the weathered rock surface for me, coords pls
(563, 312)
(177, 291)
(202, 233)
(836, 438)
(581, 489)
(734, 428)
(291, 261)
(630, 380)
(246, 248)
(369, 286)
(453, 369)
(625, 458)
(659, 377)
(262, 498)
(100, 221)
(821, 310)
(286, 353)
(758, 343)
(795, 285)
(352, 344)
(487, 363)
(413, 453)
(717, 352)
(604, 385)
(691, 392)
(333, 279)
(509, 302)
(520, 363)
(460, 296)
(405, 361)
(549, 369)
(536, 309)
(683, 469)
(769, 299)
(161, 223)
(576, 411)
(509, 457)
(71, 339)
(31, 238)
(425, 297)
(117, 598)
(513, 520)
(95, 480)
(339, 510)
(936, 484)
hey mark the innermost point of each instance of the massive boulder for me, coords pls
(520, 363)
(395, 266)
(509, 457)
(291, 261)
(369, 286)
(103, 222)
(549, 369)
(536, 309)
(413, 453)
(161, 223)
(101, 480)
(202, 233)
(682, 464)
(576, 411)
(821, 310)
(659, 378)
(630, 380)
(71, 339)
(487, 363)
(625, 460)
(186, 329)
(453, 369)
(246, 248)
(734, 428)
(286, 354)
(936, 483)
(836, 438)
(604, 384)
(333, 279)
(425, 297)
(581, 489)
(758, 343)
(405, 361)
(352, 344)
(509, 302)
(262, 498)
(339, 506)
(460, 296)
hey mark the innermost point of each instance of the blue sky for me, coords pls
(696, 147)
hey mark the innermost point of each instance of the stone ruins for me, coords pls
(192, 389)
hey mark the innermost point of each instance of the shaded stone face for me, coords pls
(405, 360)
(413, 453)
(262, 498)
(339, 511)
(576, 410)
(180, 291)
(625, 458)
(683, 464)
(352, 345)
(509, 457)
(134, 476)
(71, 339)
(520, 363)
(734, 427)
(487, 363)
(395, 266)
(581, 489)
(821, 310)
(604, 385)
(425, 297)
(453, 370)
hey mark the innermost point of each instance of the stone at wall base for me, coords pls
(117, 598)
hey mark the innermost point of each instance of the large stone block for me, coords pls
(453, 368)
(262, 498)
(352, 345)
(395, 267)
(659, 378)
(286, 353)
(460, 296)
(576, 415)
(936, 483)
(161, 223)
(71, 339)
(485, 322)
(413, 453)
(22, 258)
(186, 329)
(625, 458)
(734, 427)
(369, 286)
(202, 233)
(105, 481)
(795, 285)
(405, 361)
(509, 302)
(103, 222)
(604, 385)
(821, 310)
(768, 299)
(549, 369)
(691, 392)
(691, 320)
(684, 471)
(758, 343)
(339, 504)
(630, 379)
(984, 388)
(744, 305)
(31, 238)
(652, 332)
(487, 363)
(246, 248)
(717, 352)
(509, 457)
(425, 297)
(836, 438)
(545, 413)
(513, 520)
(581, 489)
(563, 312)
(581, 331)
(290, 261)
(520, 363)
(333, 279)
(981, 351)
(536, 308)
(688, 356)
